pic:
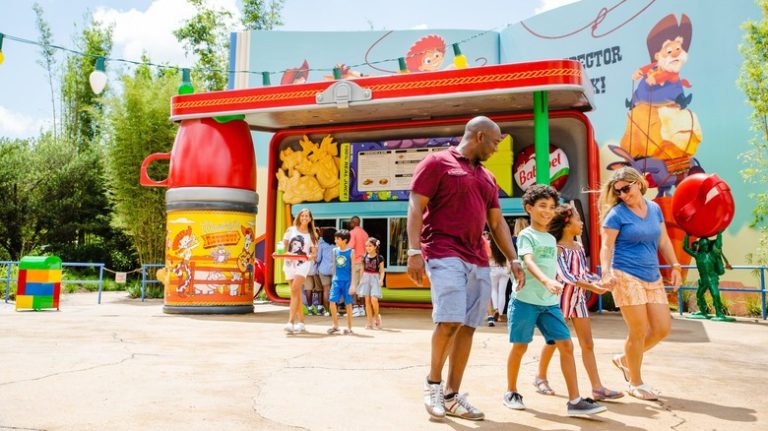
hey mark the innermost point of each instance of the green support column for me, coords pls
(541, 136)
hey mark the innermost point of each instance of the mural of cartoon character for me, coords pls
(662, 134)
(655, 170)
(660, 82)
(346, 73)
(183, 245)
(659, 125)
(426, 54)
(296, 75)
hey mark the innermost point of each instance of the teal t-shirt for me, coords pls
(543, 247)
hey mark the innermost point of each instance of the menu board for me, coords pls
(386, 170)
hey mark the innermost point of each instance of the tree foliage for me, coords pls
(205, 36)
(139, 126)
(82, 110)
(47, 52)
(262, 14)
(18, 233)
(754, 82)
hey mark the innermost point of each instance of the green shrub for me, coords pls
(154, 290)
(752, 305)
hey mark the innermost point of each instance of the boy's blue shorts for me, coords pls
(548, 318)
(340, 289)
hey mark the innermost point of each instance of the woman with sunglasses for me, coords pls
(632, 233)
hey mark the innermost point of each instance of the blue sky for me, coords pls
(146, 25)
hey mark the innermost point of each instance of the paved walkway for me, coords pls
(124, 365)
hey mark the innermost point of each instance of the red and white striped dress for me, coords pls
(572, 267)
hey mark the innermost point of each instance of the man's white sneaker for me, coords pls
(460, 407)
(300, 328)
(433, 399)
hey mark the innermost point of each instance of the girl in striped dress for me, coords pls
(572, 271)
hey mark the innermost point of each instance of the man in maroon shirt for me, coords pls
(452, 198)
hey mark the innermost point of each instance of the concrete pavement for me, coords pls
(124, 365)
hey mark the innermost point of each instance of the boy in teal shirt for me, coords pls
(538, 303)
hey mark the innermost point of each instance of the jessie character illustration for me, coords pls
(660, 82)
(183, 244)
(426, 55)
(296, 75)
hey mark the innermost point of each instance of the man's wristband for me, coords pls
(518, 261)
(414, 252)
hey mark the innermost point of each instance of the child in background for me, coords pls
(342, 280)
(572, 271)
(325, 265)
(499, 278)
(538, 303)
(371, 282)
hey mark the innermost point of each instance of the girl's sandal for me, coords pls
(643, 392)
(604, 394)
(332, 330)
(378, 321)
(542, 387)
(620, 365)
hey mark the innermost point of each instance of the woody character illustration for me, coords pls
(662, 134)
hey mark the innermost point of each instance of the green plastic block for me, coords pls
(40, 262)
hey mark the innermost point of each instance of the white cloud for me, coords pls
(16, 125)
(420, 27)
(551, 4)
(152, 30)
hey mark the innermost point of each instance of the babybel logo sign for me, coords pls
(525, 167)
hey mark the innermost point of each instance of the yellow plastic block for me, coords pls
(24, 301)
(500, 164)
(43, 275)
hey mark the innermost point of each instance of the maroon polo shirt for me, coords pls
(460, 196)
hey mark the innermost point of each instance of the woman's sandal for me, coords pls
(604, 394)
(620, 365)
(643, 392)
(378, 322)
(542, 387)
(332, 330)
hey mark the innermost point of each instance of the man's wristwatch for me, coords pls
(414, 252)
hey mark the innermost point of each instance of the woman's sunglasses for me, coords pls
(623, 190)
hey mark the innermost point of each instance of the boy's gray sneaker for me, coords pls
(433, 399)
(514, 401)
(585, 406)
(460, 407)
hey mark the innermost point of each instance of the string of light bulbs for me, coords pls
(98, 78)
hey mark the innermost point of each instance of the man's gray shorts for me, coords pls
(460, 291)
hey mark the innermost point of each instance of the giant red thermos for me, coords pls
(211, 205)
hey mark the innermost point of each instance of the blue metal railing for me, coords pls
(144, 280)
(8, 276)
(761, 290)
